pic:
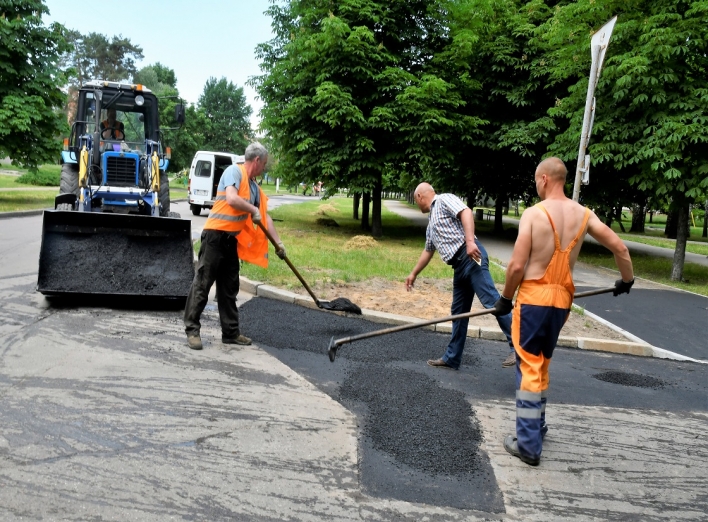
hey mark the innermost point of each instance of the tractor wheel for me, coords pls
(164, 194)
(196, 209)
(69, 183)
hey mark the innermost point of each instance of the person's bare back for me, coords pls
(535, 243)
(567, 216)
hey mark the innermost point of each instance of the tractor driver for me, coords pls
(112, 129)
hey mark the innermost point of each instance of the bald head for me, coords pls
(550, 178)
(553, 168)
(423, 196)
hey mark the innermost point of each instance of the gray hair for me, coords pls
(254, 150)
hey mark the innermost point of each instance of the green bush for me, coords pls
(44, 177)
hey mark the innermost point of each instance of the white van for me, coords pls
(204, 176)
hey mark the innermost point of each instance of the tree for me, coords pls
(95, 57)
(652, 110)
(347, 91)
(228, 126)
(30, 84)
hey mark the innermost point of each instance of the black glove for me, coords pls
(621, 287)
(502, 307)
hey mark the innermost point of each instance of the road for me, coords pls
(106, 414)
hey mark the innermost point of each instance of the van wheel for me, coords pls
(196, 209)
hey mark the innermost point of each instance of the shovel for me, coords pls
(341, 304)
(335, 344)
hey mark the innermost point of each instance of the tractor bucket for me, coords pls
(92, 253)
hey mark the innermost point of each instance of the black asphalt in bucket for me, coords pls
(85, 253)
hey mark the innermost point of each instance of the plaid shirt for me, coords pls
(445, 233)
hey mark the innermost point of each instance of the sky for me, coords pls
(197, 39)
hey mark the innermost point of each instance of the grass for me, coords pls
(10, 181)
(46, 176)
(26, 200)
(322, 254)
(656, 269)
(668, 243)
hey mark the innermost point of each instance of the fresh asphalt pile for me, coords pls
(419, 438)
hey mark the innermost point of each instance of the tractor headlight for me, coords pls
(139, 100)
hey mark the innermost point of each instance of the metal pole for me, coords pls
(598, 46)
(587, 118)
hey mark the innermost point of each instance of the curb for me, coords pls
(22, 213)
(476, 332)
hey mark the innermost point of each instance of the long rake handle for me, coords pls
(410, 326)
(594, 292)
(403, 327)
(292, 267)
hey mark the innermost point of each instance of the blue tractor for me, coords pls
(112, 231)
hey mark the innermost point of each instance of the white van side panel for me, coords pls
(204, 174)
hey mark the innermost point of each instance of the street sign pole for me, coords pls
(598, 47)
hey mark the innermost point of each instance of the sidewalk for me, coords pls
(660, 316)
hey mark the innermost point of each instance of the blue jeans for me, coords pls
(470, 279)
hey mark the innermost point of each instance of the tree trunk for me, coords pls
(671, 228)
(365, 201)
(498, 214)
(651, 216)
(357, 198)
(376, 226)
(638, 217)
(681, 236)
(618, 217)
(705, 220)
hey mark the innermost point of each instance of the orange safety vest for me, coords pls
(115, 131)
(252, 243)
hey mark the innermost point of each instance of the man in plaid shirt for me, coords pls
(451, 232)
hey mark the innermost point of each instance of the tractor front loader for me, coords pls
(112, 232)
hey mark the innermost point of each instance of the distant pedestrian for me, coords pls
(230, 234)
(451, 232)
(541, 267)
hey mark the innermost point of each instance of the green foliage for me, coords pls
(158, 78)
(45, 176)
(348, 94)
(95, 57)
(227, 125)
(30, 80)
(650, 128)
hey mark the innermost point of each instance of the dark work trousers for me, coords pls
(218, 262)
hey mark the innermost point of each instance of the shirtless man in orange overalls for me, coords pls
(541, 267)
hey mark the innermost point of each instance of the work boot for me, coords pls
(194, 341)
(509, 361)
(241, 339)
(512, 446)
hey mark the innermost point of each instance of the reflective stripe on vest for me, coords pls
(252, 243)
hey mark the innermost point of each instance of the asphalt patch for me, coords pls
(403, 418)
(631, 379)
(419, 438)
